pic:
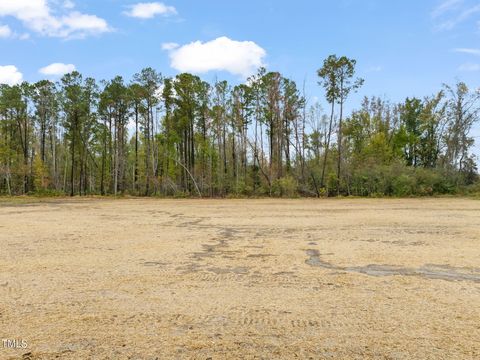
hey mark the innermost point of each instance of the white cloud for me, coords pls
(223, 54)
(468, 51)
(10, 75)
(38, 16)
(170, 46)
(5, 31)
(469, 67)
(78, 24)
(57, 69)
(150, 10)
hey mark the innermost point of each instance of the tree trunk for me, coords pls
(327, 145)
(72, 171)
(340, 136)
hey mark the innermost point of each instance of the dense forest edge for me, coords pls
(184, 137)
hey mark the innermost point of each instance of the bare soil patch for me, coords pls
(240, 279)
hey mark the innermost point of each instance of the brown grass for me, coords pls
(241, 279)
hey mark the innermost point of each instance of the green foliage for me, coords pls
(403, 185)
(181, 136)
(41, 181)
(378, 149)
(400, 180)
(285, 187)
(46, 193)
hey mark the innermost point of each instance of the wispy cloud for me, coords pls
(170, 46)
(68, 4)
(468, 51)
(451, 13)
(374, 69)
(5, 31)
(446, 6)
(469, 67)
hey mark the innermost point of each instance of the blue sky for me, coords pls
(403, 48)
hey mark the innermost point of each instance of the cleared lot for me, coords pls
(241, 279)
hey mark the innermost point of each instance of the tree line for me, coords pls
(182, 136)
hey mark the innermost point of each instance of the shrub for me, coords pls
(427, 181)
(403, 185)
(285, 187)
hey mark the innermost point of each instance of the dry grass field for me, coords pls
(240, 279)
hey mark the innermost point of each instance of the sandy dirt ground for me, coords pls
(240, 279)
